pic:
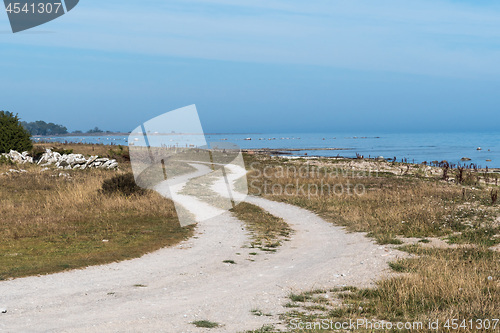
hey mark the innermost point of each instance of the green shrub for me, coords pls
(120, 154)
(13, 136)
(122, 184)
(63, 151)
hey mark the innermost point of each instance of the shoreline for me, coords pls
(305, 153)
(287, 153)
(128, 133)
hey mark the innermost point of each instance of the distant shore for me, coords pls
(128, 133)
(482, 150)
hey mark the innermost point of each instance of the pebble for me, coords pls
(3, 310)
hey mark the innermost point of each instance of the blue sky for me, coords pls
(260, 66)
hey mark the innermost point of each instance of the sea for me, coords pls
(482, 148)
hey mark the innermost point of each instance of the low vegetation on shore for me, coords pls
(458, 279)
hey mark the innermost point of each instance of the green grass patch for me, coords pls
(268, 231)
(205, 324)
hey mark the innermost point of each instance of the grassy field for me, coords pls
(58, 219)
(459, 282)
(55, 220)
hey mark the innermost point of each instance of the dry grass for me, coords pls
(462, 283)
(200, 188)
(388, 205)
(268, 231)
(441, 284)
(436, 285)
(55, 220)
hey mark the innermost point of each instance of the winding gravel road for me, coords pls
(166, 290)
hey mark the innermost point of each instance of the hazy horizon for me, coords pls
(256, 66)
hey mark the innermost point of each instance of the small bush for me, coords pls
(122, 184)
(120, 154)
(63, 151)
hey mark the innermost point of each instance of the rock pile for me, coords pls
(64, 161)
(17, 157)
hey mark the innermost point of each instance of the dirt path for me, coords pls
(166, 290)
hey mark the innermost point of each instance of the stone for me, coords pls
(42, 159)
(113, 165)
(65, 161)
(108, 163)
(91, 160)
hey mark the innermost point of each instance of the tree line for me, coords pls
(40, 127)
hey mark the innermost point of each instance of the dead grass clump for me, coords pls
(122, 184)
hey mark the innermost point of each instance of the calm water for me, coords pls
(416, 147)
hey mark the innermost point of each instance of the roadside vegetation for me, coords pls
(395, 202)
(268, 231)
(52, 220)
(433, 285)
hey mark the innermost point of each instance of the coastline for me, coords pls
(415, 148)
